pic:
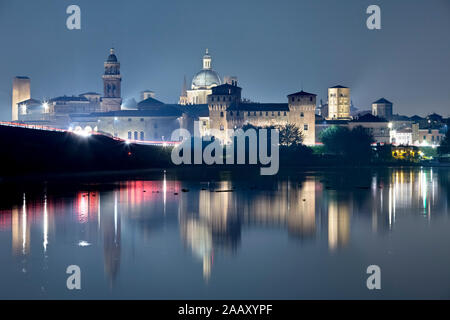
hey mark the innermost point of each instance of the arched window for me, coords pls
(142, 135)
(135, 135)
(129, 134)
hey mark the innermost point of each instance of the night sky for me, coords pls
(273, 47)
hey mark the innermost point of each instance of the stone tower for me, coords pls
(382, 108)
(20, 92)
(302, 113)
(339, 103)
(219, 101)
(111, 100)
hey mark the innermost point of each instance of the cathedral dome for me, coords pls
(206, 79)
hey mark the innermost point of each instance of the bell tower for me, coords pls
(111, 100)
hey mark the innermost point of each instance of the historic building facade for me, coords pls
(228, 112)
(339, 103)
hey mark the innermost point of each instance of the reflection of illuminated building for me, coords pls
(20, 228)
(302, 210)
(198, 237)
(111, 227)
(338, 223)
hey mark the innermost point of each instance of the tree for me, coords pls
(354, 145)
(444, 148)
(290, 135)
(335, 139)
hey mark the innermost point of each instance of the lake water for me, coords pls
(299, 235)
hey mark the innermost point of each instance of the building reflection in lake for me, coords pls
(212, 216)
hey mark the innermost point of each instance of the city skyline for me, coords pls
(161, 67)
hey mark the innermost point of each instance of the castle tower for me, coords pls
(111, 100)
(219, 102)
(302, 113)
(20, 92)
(339, 103)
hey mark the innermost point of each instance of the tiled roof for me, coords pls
(302, 93)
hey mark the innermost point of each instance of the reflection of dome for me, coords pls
(206, 78)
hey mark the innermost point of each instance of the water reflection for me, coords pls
(212, 216)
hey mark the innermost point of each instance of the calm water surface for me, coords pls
(300, 235)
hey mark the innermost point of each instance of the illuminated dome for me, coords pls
(207, 77)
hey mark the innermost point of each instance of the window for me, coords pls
(129, 119)
(231, 113)
(221, 127)
(310, 98)
(237, 113)
(142, 135)
(293, 99)
(284, 113)
(267, 114)
(260, 113)
(424, 137)
(302, 114)
(135, 135)
(305, 127)
(279, 113)
(248, 113)
(212, 98)
(254, 113)
(272, 114)
(221, 113)
(129, 134)
(142, 119)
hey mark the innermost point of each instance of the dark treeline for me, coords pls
(26, 151)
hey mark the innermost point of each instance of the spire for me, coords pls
(184, 88)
